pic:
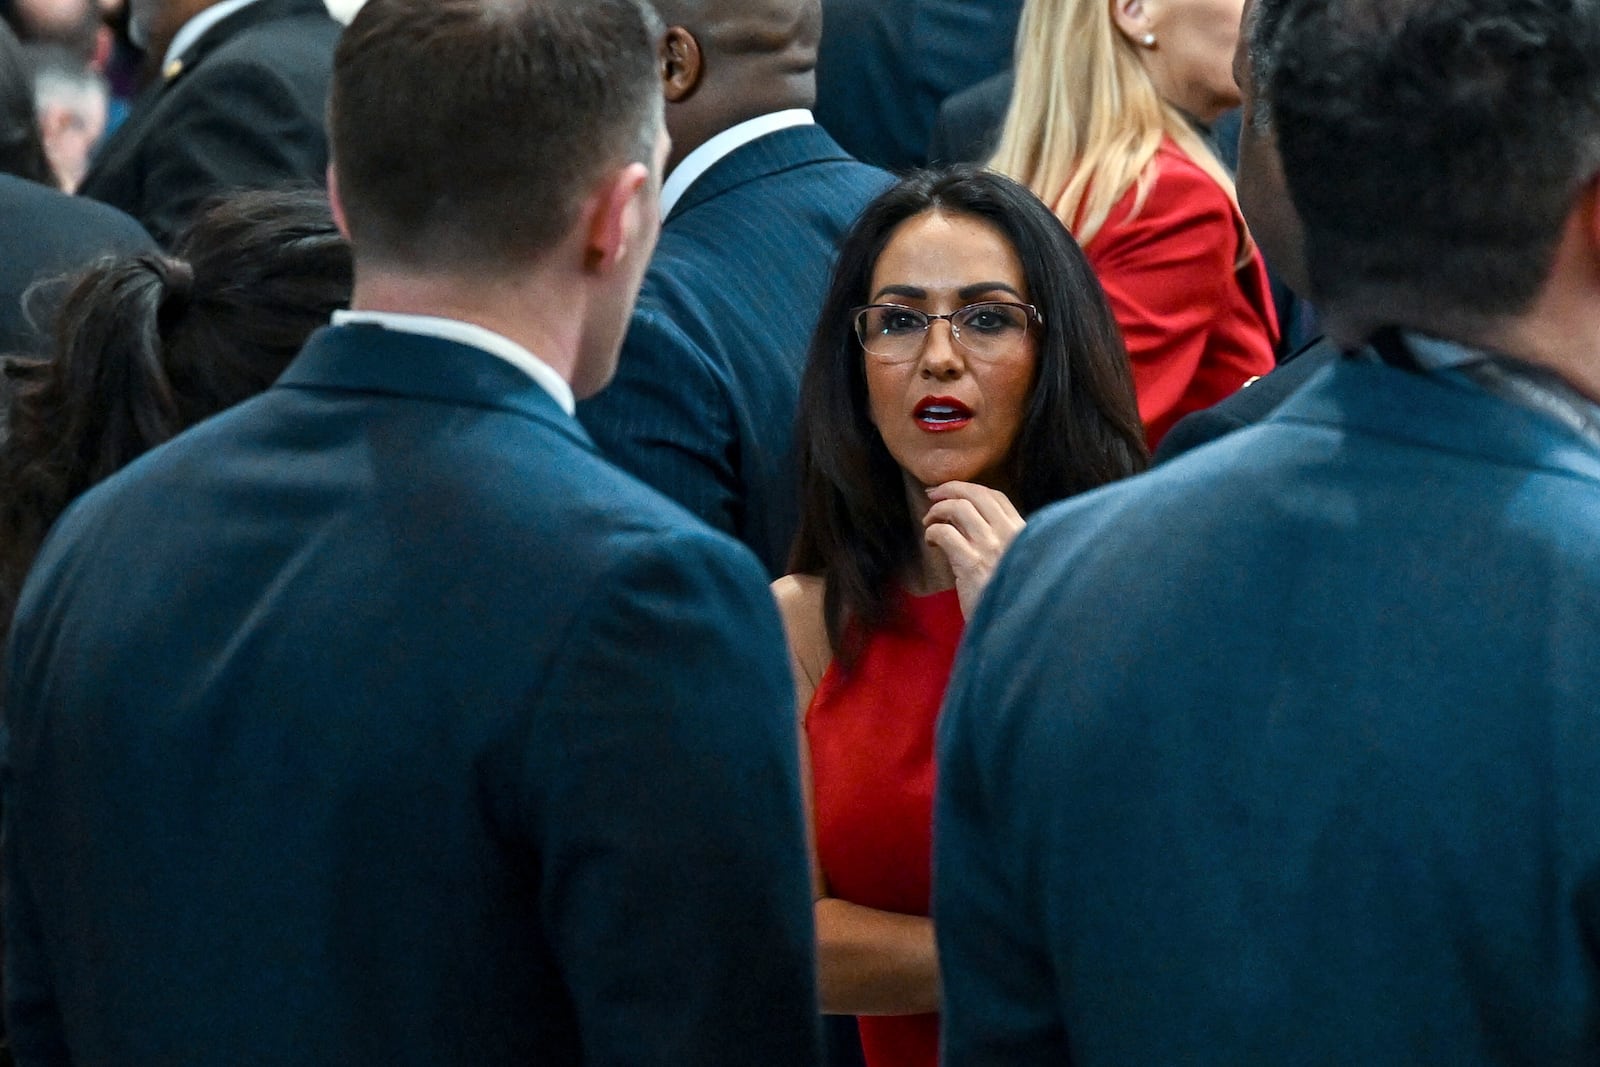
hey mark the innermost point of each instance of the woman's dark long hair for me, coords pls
(1081, 429)
(21, 144)
(146, 346)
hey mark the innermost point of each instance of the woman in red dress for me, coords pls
(1107, 125)
(965, 372)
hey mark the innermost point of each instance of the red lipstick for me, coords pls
(941, 414)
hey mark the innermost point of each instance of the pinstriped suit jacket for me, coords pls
(703, 404)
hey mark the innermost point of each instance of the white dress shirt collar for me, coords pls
(722, 145)
(466, 333)
(196, 27)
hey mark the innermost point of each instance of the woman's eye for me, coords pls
(903, 322)
(990, 319)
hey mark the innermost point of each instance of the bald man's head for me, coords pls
(736, 28)
(725, 61)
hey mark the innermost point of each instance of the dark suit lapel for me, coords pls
(113, 156)
(797, 146)
(371, 359)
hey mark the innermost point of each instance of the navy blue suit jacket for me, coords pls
(967, 128)
(380, 721)
(244, 110)
(1289, 751)
(703, 405)
(885, 66)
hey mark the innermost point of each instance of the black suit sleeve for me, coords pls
(663, 792)
(1192, 431)
(1251, 404)
(242, 126)
(665, 420)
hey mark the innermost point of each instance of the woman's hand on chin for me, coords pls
(973, 526)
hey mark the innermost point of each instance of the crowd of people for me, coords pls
(799, 532)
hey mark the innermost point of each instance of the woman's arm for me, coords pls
(872, 962)
(869, 962)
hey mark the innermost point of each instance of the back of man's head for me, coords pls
(725, 61)
(465, 134)
(1435, 148)
(748, 27)
(1259, 38)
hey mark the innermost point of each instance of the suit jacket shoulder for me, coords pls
(969, 122)
(245, 110)
(1250, 404)
(884, 66)
(46, 236)
(1357, 636)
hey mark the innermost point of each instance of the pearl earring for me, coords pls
(1148, 40)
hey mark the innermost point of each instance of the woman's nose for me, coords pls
(941, 352)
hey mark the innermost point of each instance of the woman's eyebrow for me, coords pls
(910, 291)
(967, 292)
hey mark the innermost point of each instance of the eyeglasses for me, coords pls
(894, 333)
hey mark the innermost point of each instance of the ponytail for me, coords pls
(147, 346)
(97, 403)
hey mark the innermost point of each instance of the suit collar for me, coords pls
(371, 359)
(196, 27)
(784, 150)
(730, 140)
(1441, 413)
(253, 14)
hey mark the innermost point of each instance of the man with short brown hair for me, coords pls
(380, 720)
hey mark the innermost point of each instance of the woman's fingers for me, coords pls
(962, 514)
(956, 546)
(993, 505)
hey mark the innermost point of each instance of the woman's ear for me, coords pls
(1134, 20)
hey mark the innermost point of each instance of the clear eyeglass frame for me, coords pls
(906, 345)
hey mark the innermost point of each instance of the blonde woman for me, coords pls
(1107, 126)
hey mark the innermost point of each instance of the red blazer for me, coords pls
(1197, 328)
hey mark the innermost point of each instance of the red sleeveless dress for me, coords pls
(871, 737)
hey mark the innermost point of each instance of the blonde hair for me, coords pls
(1085, 119)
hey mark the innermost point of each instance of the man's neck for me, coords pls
(530, 313)
(1559, 330)
(710, 112)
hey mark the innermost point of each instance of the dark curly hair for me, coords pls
(146, 346)
(1081, 428)
(1434, 147)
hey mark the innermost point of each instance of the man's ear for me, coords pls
(615, 221)
(1133, 19)
(1586, 207)
(682, 65)
(336, 205)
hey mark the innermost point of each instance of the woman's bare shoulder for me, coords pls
(799, 592)
(799, 598)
